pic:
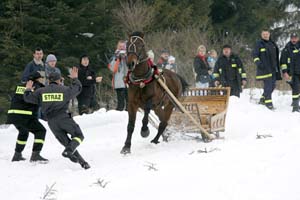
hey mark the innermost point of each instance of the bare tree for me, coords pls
(134, 15)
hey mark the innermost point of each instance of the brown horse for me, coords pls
(145, 92)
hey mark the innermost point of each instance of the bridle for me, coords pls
(131, 49)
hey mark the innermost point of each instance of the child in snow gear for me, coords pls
(290, 66)
(23, 116)
(229, 72)
(54, 100)
(266, 58)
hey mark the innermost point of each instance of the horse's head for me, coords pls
(136, 52)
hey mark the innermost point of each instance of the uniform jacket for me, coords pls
(119, 69)
(290, 59)
(230, 70)
(19, 109)
(201, 68)
(263, 60)
(54, 99)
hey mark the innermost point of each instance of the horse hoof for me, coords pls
(125, 150)
(145, 133)
(155, 141)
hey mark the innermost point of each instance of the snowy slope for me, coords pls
(240, 167)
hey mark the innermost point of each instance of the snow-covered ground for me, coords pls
(240, 167)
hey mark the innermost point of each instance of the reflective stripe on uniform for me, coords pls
(20, 90)
(21, 142)
(262, 50)
(77, 139)
(39, 141)
(296, 96)
(216, 75)
(256, 59)
(283, 66)
(233, 65)
(21, 112)
(296, 51)
(264, 76)
(289, 60)
(240, 70)
(268, 101)
(244, 75)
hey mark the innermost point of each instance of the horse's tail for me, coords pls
(183, 82)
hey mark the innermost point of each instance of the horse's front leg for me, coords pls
(164, 116)
(145, 130)
(132, 109)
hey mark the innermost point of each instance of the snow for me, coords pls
(240, 167)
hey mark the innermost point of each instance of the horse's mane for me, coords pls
(137, 33)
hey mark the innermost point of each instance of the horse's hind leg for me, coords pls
(132, 109)
(164, 116)
(145, 130)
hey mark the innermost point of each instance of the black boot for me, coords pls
(18, 157)
(70, 149)
(84, 164)
(262, 101)
(295, 105)
(35, 156)
(81, 161)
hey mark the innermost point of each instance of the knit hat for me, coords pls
(294, 35)
(51, 57)
(35, 75)
(54, 76)
(171, 58)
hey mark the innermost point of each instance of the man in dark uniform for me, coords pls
(266, 58)
(290, 66)
(229, 71)
(54, 100)
(23, 116)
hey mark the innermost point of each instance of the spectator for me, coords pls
(150, 54)
(171, 64)
(229, 71)
(202, 68)
(50, 67)
(36, 65)
(212, 58)
(163, 60)
(87, 77)
(119, 69)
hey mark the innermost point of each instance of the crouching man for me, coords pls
(54, 100)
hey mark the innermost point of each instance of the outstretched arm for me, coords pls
(29, 95)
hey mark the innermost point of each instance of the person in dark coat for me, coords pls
(266, 58)
(290, 66)
(24, 116)
(36, 65)
(229, 72)
(87, 97)
(54, 100)
(201, 68)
